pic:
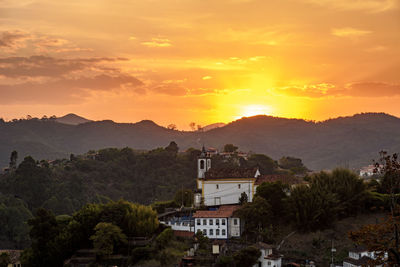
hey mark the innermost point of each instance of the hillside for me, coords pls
(72, 119)
(346, 141)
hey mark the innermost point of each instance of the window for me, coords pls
(217, 222)
(211, 232)
(235, 221)
(211, 222)
(198, 221)
(217, 232)
(223, 221)
(223, 232)
(201, 164)
(204, 222)
(238, 186)
(217, 186)
(269, 263)
(204, 232)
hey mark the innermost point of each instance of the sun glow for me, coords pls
(253, 110)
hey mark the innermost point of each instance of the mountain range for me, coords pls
(345, 141)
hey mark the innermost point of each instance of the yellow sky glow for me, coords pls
(199, 60)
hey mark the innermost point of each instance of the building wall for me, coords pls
(223, 229)
(226, 191)
(234, 227)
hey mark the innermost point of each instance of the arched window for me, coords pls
(201, 164)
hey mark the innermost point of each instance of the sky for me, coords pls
(202, 61)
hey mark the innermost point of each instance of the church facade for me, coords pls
(223, 186)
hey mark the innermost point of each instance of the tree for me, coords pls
(294, 164)
(230, 148)
(107, 236)
(263, 162)
(385, 236)
(172, 148)
(171, 126)
(275, 194)
(184, 197)
(4, 259)
(247, 257)
(192, 126)
(243, 199)
(13, 160)
(164, 238)
(256, 214)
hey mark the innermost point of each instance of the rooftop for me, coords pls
(222, 212)
(231, 173)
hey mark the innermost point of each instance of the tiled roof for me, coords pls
(286, 179)
(273, 257)
(222, 212)
(363, 261)
(231, 173)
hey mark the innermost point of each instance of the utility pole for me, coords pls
(333, 250)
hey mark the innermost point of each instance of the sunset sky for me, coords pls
(206, 61)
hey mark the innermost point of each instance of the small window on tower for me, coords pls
(201, 164)
(239, 186)
(217, 186)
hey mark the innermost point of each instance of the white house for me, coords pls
(268, 258)
(359, 257)
(218, 223)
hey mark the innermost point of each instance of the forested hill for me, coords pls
(346, 141)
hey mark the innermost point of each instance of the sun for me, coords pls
(253, 110)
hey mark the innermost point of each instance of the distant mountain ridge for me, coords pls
(72, 119)
(345, 141)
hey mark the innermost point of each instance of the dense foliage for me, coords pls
(105, 227)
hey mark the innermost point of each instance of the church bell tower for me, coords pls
(203, 164)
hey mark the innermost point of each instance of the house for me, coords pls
(218, 223)
(223, 186)
(269, 257)
(14, 257)
(360, 256)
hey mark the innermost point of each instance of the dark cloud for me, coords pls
(44, 66)
(12, 40)
(65, 91)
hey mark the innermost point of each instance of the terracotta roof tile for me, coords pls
(231, 173)
(222, 212)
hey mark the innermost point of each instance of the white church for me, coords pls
(223, 187)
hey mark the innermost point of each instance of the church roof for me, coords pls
(222, 212)
(231, 173)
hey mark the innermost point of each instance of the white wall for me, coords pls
(224, 192)
(234, 229)
(214, 227)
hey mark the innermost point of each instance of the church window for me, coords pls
(201, 164)
(239, 186)
(217, 186)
